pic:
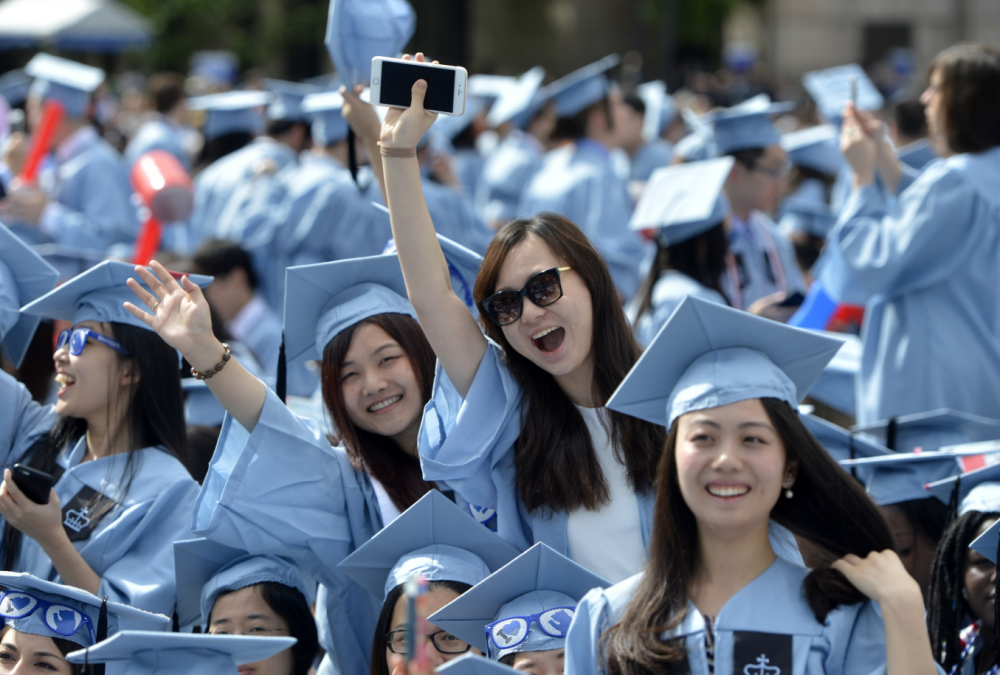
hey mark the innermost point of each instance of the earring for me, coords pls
(788, 490)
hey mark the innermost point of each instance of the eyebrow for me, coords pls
(387, 345)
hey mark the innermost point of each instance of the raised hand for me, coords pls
(403, 128)
(178, 312)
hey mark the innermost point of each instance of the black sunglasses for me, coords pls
(544, 288)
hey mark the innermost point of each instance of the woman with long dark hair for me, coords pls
(115, 445)
(275, 484)
(714, 594)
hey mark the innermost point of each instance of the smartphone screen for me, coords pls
(398, 79)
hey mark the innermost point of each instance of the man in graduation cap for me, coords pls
(86, 200)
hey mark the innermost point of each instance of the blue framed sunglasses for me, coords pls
(513, 630)
(60, 619)
(77, 340)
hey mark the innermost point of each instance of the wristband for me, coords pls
(401, 153)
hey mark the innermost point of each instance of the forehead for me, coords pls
(530, 256)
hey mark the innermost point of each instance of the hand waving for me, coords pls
(404, 128)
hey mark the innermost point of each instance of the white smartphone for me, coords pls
(393, 79)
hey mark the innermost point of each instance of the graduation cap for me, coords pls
(136, 652)
(206, 569)
(359, 30)
(14, 86)
(816, 148)
(328, 123)
(903, 477)
(68, 82)
(231, 112)
(286, 104)
(684, 200)
(433, 538)
(582, 87)
(473, 664)
(932, 430)
(24, 277)
(707, 355)
(745, 127)
(97, 295)
(63, 612)
(518, 101)
(977, 490)
(660, 109)
(831, 90)
(843, 445)
(538, 580)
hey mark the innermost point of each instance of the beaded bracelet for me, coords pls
(218, 366)
(401, 153)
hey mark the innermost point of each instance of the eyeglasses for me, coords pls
(544, 288)
(255, 631)
(513, 630)
(776, 174)
(443, 641)
(60, 619)
(77, 340)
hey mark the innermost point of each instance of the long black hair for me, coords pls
(154, 416)
(946, 603)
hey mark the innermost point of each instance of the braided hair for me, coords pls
(946, 604)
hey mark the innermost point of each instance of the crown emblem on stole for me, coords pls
(76, 520)
(761, 667)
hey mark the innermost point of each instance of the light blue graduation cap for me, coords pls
(286, 104)
(932, 430)
(518, 101)
(359, 30)
(473, 664)
(582, 87)
(816, 148)
(134, 652)
(325, 111)
(831, 90)
(986, 543)
(14, 86)
(97, 295)
(322, 300)
(68, 82)
(206, 569)
(977, 490)
(707, 355)
(684, 200)
(537, 581)
(843, 445)
(660, 109)
(232, 112)
(903, 477)
(58, 611)
(433, 538)
(24, 277)
(746, 126)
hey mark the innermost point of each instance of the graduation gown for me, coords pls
(506, 173)
(284, 490)
(767, 628)
(578, 181)
(668, 292)
(125, 531)
(927, 264)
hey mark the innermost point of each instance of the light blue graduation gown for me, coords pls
(670, 290)
(131, 546)
(283, 490)
(928, 264)
(231, 196)
(749, 243)
(454, 218)
(158, 134)
(652, 156)
(506, 174)
(579, 182)
(850, 642)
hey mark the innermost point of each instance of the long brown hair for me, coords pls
(829, 509)
(379, 456)
(970, 89)
(554, 456)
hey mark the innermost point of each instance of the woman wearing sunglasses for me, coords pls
(115, 445)
(517, 422)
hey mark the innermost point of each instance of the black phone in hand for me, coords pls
(36, 485)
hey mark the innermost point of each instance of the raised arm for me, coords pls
(447, 323)
(178, 312)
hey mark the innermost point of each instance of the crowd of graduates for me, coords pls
(592, 378)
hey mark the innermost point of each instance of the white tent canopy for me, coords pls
(83, 25)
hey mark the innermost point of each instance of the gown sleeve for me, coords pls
(22, 420)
